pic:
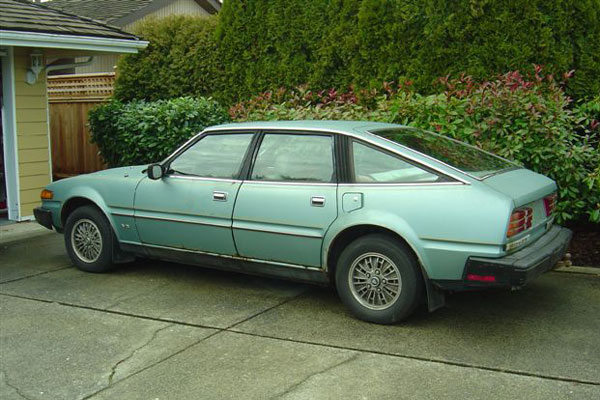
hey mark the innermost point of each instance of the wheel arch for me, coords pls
(435, 297)
(79, 200)
(351, 233)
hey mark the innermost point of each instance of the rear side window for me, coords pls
(373, 165)
(213, 156)
(294, 158)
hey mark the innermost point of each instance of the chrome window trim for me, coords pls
(289, 183)
(364, 139)
(516, 166)
(297, 266)
(199, 135)
(266, 132)
(383, 184)
(202, 178)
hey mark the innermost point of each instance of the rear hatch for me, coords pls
(528, 191)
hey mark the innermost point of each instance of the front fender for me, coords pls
(91, 195)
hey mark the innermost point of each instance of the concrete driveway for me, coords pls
(155, 330)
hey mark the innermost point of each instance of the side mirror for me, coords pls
(155, 171)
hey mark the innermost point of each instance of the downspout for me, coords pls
(54, 67)
(33, 72)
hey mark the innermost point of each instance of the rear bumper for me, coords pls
(517, 269)
(43, 217)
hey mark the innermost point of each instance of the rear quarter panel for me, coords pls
(443, 223)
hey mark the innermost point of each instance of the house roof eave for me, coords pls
(70, 42)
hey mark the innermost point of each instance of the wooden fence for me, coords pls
(70, 97)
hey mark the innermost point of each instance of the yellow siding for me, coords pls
(32, 134)
(33, 155)
(32, 128)
(29, 196)
(30, 169)
(27, 208)
(26, 113)
(29, 142)
(30, 102)
(33, 182)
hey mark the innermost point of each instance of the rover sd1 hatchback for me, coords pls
(393, 216)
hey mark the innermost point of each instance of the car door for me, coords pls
(191, 206)
(285, 207)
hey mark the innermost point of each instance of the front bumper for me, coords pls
(517, 269)
(43, 217)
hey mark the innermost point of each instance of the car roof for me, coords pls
(355, 128)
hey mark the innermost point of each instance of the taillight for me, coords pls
(481, 278)
(550, 204)
(520, 220)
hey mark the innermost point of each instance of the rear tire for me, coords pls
(89, 239)
(379, 279)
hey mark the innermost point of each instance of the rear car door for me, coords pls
(191, 206)
(289, 201)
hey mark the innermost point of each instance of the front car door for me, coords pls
(289, 201)
(191, 206)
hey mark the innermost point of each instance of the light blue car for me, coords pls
(393, 216)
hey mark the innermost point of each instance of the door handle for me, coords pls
(317, 201)
(220, 196)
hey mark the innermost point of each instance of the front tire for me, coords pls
(89, 239)
(378, 279)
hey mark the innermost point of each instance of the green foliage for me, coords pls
(142, 132)
(524, 119)
(283, 43)
(180, 60)
(257, 45)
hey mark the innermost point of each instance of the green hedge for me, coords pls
(180, 60)
(258, 45)
(528, 120)
(143, 132)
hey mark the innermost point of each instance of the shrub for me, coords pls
(256, 45)
(142, 132)
(526, 119)
(180, 60)
(266, 45)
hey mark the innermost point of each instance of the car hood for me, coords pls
(522, 185)
(121, 171)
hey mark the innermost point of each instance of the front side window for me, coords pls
(373, 165)
(213, 156)
(295, 158)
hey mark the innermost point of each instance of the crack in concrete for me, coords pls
(321, 372)
(13, 387)
(36, 274)
(230, 329)
(134, 352)
(125, 298)
(265, 310)
(86, 397)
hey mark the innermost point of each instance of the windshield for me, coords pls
(464, 157)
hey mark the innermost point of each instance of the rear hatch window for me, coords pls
(468, 159)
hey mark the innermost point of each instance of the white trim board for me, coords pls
(9, 132)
